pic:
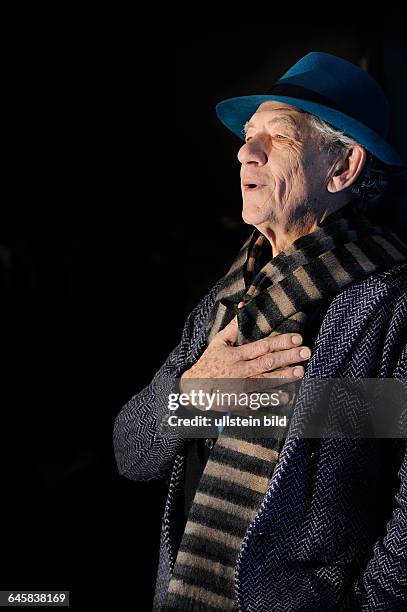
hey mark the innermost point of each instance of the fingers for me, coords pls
(265, 345)
(290, 372)
(252, 349)
(280, 342)
(275, 360)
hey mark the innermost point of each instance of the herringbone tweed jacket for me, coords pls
(331, 532)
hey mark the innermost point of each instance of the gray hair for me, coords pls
(372, 181)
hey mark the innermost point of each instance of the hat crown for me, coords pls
(349, 87)
(333, 89)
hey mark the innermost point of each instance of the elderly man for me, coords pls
(296, 524)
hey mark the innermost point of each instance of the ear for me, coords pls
(347, 170)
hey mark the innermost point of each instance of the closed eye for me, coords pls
(277, 136)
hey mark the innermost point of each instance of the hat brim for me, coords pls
(235, 112)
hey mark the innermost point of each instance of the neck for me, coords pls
(282, 233)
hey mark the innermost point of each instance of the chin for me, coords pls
(252, 216)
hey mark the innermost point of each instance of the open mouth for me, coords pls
(252, 186)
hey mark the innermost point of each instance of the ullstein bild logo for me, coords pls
(227, 421)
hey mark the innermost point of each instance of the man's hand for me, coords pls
(269, 357)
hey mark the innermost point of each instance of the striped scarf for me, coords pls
(278, 291)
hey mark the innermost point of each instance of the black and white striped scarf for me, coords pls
(344, 249)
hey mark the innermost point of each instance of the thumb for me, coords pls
(230, 332)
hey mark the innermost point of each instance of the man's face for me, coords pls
(284, 170)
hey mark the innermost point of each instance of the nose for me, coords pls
(253, 152)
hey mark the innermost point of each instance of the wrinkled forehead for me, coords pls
(276, 105)
(273, 108)
(274, 114)
(280, 115)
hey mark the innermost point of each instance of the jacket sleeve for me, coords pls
(141, 452)
(383, 585)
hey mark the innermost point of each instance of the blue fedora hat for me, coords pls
(329, 87)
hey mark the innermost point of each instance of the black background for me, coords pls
(121, 208)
